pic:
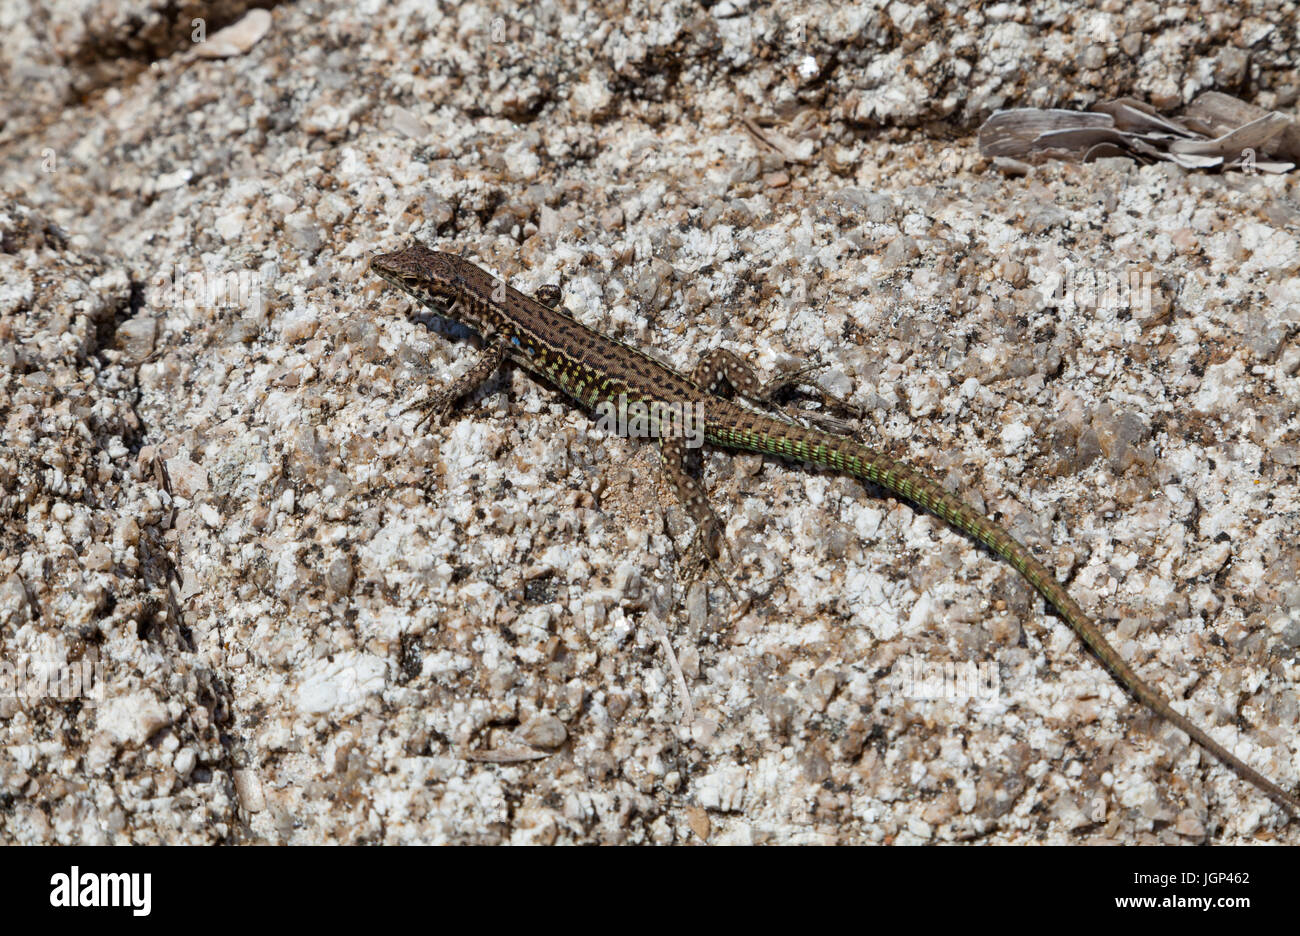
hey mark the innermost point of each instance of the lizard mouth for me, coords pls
(378, 265)
(420, 292)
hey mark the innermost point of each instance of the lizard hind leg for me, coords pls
(720, 366)
(708, 541)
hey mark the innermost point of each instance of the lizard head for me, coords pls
(439, 280)
(421, 273)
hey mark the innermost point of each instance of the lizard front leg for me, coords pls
(549, 295)
(493, 356)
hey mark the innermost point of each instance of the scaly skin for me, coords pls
(593, 369)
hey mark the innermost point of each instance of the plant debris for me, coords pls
(1217, 132)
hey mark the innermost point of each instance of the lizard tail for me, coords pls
(819, 448)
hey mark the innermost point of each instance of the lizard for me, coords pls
(595, 369)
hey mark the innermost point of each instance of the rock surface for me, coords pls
(315, 621)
